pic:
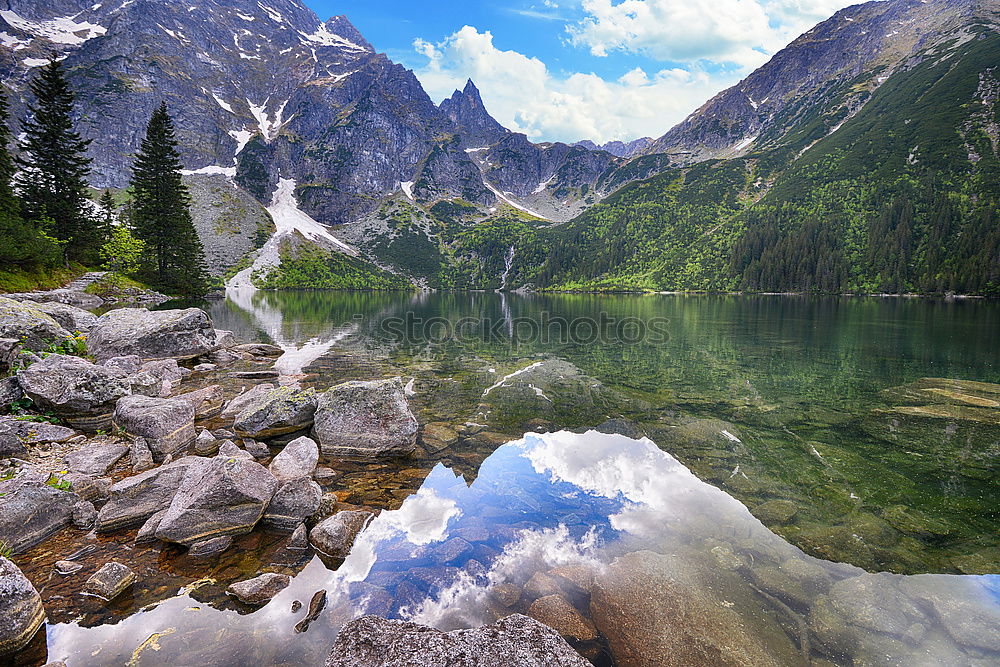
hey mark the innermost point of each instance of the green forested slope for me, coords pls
(902, 197)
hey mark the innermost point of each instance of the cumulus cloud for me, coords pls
(698, 47)
(525, 96)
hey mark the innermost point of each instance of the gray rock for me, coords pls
(223, 357)
(292, 504)
(515, 640)
(84, 515)
(145, 384)
(241, 402)
(10, 350)
(96, 460)
(93, 489)
(67, 567)
(259, 590)
(136, 499)
(25, 322)
(298, 459)
(225, 339)
(229, 449)
(10, 444)
(166, 424)
(260, 349)
(142, 457)
(127, 365)
(21, 611)
(31, 433)
(258, 450)
(335, 535)
(83, 393)
(211, 547)
(164, 334)
(110, 581)
(31, 511)
(10, 391)
(206, 444)
(218, 497)
(166, 369)
(147, 533)
(70, 318)
(204, 368)
(365, 420)
(299, 541)
(278, 412)
(557, 613)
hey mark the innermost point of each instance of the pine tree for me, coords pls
(54, 168)
(160, 212)
(108, 217)
(21, 245)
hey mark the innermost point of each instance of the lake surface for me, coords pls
(786, 478)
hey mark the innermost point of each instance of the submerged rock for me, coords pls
(335, 535)
(684, 621)
(110, 581)
(259, 590)
(209, 548)
(366, 420)
(21, 611)
(164, 334)
(82, 393)
(515, 640)
(218, 497)
(555, 612)
(166, 424)
(278, 412)
(25, 322)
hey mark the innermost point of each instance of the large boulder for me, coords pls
(244, 400)
(292, 504)
(21, 611)
(335, 535)
(135, 499)
(298, 459)
(218, 497)
(31, 511)
(96, 460)
(164, 334)
(32, 433)
(365, 420)
(70, 318)
(166, 424)
(25, 322)
(80, 392)
(515, 640)
(278, 412)
(690, 615)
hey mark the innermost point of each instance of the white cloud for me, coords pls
(546, 106)
(704, 47)
(743, 32)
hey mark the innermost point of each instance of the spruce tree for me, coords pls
(21, 244)
(54, 168)
(160, 212)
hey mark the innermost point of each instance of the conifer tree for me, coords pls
(52, 182)
(160, 212)
(108, 217)
(21, 245)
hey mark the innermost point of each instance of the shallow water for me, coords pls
(782, 405)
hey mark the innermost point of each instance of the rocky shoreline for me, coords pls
(109, 437)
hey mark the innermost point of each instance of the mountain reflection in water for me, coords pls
(592, 518)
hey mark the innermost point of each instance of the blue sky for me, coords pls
(583, 69)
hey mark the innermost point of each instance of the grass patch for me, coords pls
(43, 278)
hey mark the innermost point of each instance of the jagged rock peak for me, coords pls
(467, 111)
(618, 148)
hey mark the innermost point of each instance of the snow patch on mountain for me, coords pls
(324, 37)
(61, 30)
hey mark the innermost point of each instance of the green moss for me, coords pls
(42, 278)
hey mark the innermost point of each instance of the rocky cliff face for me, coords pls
(619, 148)
(832, 69)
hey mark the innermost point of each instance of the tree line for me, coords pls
(48, 218)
